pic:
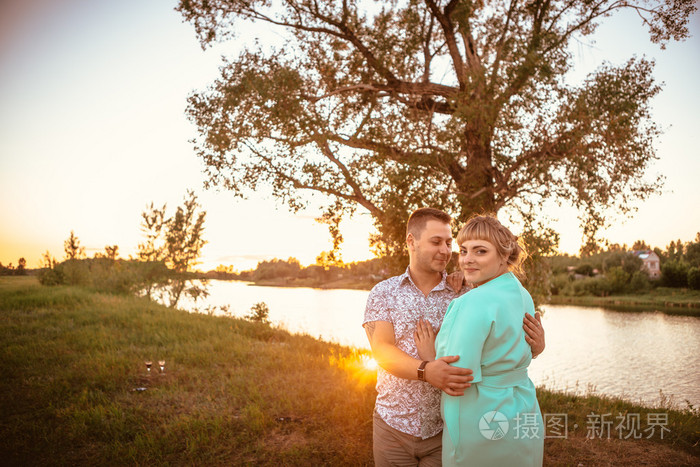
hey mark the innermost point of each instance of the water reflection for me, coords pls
(333, 315)
(634, 355)
(629, 354)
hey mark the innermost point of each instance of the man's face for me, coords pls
(432, 249)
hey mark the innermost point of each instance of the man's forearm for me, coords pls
(396, 361)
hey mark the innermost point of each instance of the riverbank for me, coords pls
(345, 283)
(672, 300)
(75, 391)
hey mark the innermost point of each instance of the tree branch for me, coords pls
(400, 87)
(349, 179)
(448, 30)
(501, 43)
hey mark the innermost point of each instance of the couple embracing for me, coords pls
(441, 396)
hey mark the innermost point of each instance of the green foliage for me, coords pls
(50, 276)
(674, 273)
(176, 242)
(674, 251)
(640, 245)
(104, 274)
(623, 271)
(677, 261)
(639, 282)
(464, 107)
(259, 313)
(694, 278)
(72, 247)
(624, 260)
(561, 262)
(617, 279)
(692, 252)
(74, 272)
(332, 218)
(560, 284)
(112, 251)
(596, 286)
(540, 243)
(361, 274)
(584, 269)
(10, 270)
(21, 267)
(277, 268)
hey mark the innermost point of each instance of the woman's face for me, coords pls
(480, 262)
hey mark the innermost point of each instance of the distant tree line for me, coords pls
(615, 270)
(11, 270)
(162, 268)
(291, 270)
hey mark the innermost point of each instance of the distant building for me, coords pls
(650, 262)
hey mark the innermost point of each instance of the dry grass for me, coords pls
(579, 451)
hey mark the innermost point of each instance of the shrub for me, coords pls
(626, 261)
(639, 281)
(259, 313)
(674, 273)
(598, 286)
(50, 277)
(560, 284)
(694, 278)
(617, 279)
(104, 274)
(74, 272)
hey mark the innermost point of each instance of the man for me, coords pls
(407, 424)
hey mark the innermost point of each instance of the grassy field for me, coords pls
(75, 391)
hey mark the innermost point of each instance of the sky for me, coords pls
(93, 129)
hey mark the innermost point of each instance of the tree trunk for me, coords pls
(476, 183)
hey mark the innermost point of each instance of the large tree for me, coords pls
(463, 105)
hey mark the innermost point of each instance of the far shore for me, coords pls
(350, 283)
(664, 299)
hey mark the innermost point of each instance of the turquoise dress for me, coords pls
(498, 420)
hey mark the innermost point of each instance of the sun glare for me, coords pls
(369, 363)
(359, 365)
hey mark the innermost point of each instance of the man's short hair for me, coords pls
(420, 217)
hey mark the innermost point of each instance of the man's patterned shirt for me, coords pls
(410, 406)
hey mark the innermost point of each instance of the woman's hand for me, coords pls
(456, 281)
(424, 337)
(534, 333)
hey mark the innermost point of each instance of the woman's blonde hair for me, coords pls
(507, 245)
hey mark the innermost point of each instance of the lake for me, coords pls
(629, 354)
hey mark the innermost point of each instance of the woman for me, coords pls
(498, 420)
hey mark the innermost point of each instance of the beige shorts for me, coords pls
(395, 448)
